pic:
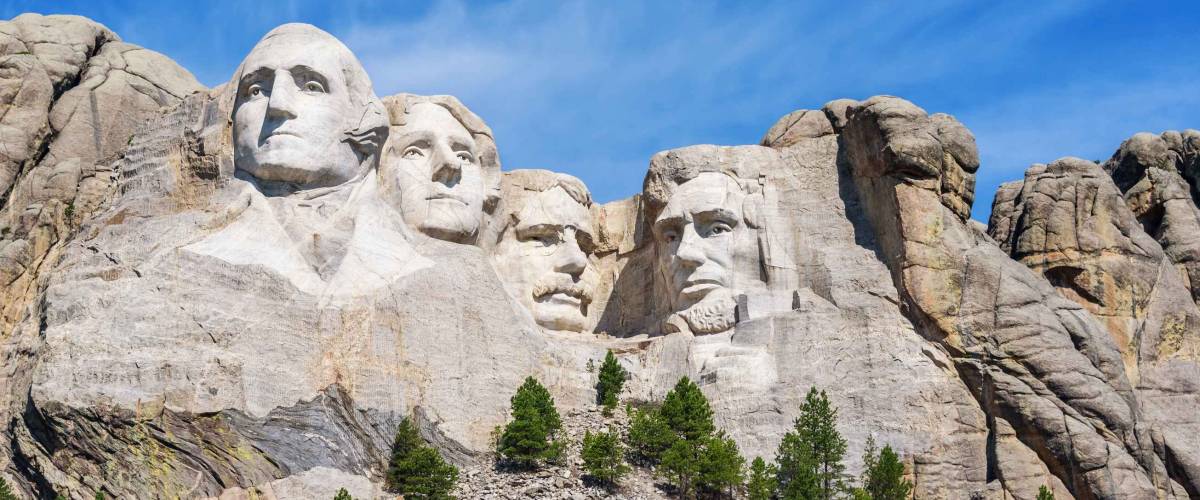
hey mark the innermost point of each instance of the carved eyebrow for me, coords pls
(718, 213)
(665, 222)
(258, 74)
(542, 228)
(303, 70)
(459, 143)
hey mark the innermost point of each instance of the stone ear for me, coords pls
(372, 129)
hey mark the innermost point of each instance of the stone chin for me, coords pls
(558, 315)
(445, 218)
(715, 313)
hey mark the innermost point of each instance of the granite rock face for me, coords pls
(238, 292)
(1070, 221)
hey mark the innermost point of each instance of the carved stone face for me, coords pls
(436, 163)
(697, 234)
(293, 110)
(543, 256)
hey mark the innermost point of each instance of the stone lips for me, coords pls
(188, 329)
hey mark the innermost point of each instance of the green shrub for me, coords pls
(604, 457)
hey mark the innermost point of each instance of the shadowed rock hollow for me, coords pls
(241, 290)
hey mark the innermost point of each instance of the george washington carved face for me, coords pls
(300, 96)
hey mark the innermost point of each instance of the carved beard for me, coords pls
(715, 313)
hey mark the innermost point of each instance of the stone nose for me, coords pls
(282, 101)
(447, 168)
(690, 251)
(570, 258)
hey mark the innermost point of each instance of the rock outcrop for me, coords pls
(239, 292)
(1070, 222)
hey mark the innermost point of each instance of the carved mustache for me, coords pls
(563, 285)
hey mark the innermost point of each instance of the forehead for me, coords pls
(427, 116)
(707, 191)
(554, 207)
(297, 49)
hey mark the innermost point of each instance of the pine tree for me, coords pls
(6, 492)
(342, 494)
(604, 457)
(1044, 493)
(612, 380)
(649, 435)
(533, 393)
(810, 457)
(681, 464)
(529, 438)
(686, 411)
(761, 484)
(426, 475)
(883, 477)
(417, 470)
(721, 466)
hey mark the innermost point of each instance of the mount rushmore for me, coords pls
(211, 290)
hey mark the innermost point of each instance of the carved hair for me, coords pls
(400, 105)
(540, 181)
(515, 183)
(669, 170)
(368, 133)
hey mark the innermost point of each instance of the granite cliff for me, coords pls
(241, 290)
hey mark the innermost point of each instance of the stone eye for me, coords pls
(720, 228)
(254, 90)
(465, 157)
(412, 152)
(670, 236)
(313, 86)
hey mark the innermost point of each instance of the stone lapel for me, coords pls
(334, 245)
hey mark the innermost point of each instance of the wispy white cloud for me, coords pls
(595, 88)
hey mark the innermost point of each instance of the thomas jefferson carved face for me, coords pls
(542, 256)
(294, 108)
(697, 234)
(437, 166)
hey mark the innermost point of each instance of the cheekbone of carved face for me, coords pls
(542, 254)
(697, 235)
(301, 95)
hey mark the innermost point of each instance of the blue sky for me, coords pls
(595, 88)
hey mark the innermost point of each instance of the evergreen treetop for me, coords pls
(529, 437)
(417, 470)
(342, 494)
(533, 394)
(611, 381)
(810, 456)
(1044, 493)
(721, 467)
(604, 457)
(883, 474)
(686, 411)
(649, 435)
(761, 483)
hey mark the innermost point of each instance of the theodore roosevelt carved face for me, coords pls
(304, 113)
(442, 160)
(542, 251)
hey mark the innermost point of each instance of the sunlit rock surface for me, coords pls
(200, 304)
